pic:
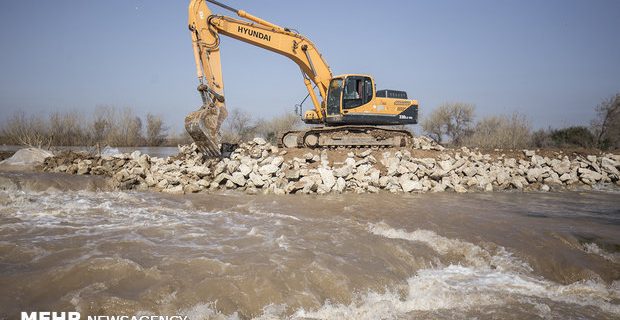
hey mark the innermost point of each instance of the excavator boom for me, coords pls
(203, 125)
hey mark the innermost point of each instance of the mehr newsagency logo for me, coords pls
(49, 315)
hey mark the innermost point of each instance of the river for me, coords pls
(66, 243)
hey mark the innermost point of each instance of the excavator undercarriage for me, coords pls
(346, 136)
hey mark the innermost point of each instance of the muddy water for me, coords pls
(232, 256)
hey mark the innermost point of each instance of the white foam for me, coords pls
(282, 242)
(593, 248)
(455, 287)
(207, 311)
(473, 254)
(459, 287)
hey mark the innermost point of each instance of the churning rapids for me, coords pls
(372, 256)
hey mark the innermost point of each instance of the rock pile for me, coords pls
(257, 166)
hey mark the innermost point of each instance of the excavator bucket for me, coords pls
(203, 126)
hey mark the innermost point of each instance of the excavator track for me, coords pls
(346, 136)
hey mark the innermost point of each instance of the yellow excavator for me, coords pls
(350, 111)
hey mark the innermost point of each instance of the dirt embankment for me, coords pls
(257, 166)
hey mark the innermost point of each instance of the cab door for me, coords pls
(334, 97)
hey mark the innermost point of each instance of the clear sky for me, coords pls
(551, 60)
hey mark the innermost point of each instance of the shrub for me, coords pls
(570, 137)
(542, 139)
(508, 132)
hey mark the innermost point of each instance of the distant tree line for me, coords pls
(121, 127)
(241, 125)
(450, 123)
(107, 126)
(453, 123)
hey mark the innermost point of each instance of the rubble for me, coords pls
(259, 167)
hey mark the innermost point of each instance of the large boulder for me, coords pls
(27, 157)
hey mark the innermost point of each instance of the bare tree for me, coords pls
(272, 128)
(28, 131)
(125, 128)
(606, 125)
(453, 120)
(155, 130)
(102, 123)
(134, 132)
(68, 129)
(434, 124)
(238, 126)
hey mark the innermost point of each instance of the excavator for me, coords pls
(348, 110)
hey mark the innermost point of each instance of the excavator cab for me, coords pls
(353, 100)
(344, 93)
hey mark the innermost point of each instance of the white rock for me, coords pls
(427, 162)
(470, 171)
(277, 161)
(565, 177)
(244, 169)
(590, 175)
(342, 171)
(256, 180)
(410, 185)
(327, 176)
(340, 184)
(135, 155)
(259, 141)
(162, 184)
(292, 174)
(238, 178)
(268, 169)
(365, 153)
(175, 190)
(459, 188)
(445, 165)
(562, 167)
(28, 156)
(610, 166)
(350, 162)
(534, 174)
(502, 177)
(199, 171)
(374, 175)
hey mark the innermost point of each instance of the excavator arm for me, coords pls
(203, 125)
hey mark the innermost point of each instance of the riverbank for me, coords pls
(259, 167)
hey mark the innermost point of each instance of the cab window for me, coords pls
(357, 91)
